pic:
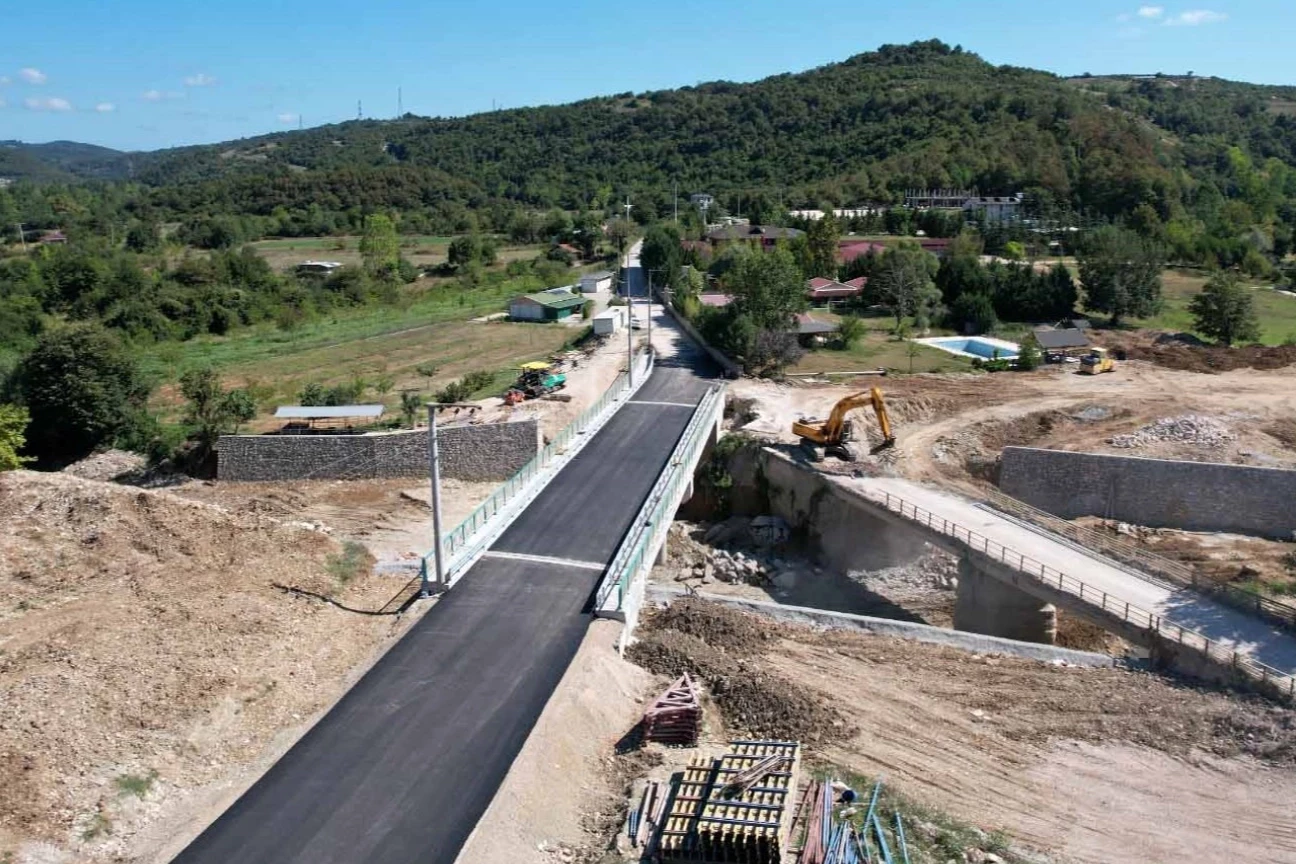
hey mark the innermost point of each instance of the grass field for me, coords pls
(877, 349)
(1277, 311)
(370, 342)
(423, 250)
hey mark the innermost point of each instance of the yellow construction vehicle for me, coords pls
(835, 434)
(1096, 362)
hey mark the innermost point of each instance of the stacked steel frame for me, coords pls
(676, 717)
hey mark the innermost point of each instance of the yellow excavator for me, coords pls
(835, 434)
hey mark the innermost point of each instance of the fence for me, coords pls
(656, 515)
(457, 543)
(1273, 680)
(1247, 600)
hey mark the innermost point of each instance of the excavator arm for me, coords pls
(829, 433)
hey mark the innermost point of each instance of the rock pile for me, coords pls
(1193, 429)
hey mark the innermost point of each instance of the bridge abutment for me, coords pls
(988, 604)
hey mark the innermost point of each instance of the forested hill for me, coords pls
(923, 114)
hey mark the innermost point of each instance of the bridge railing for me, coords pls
(1247, 600)
(656, 515)
(460, 539)
(1274, 680)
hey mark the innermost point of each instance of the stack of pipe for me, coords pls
(835, 839)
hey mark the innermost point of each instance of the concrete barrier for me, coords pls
(898, 629)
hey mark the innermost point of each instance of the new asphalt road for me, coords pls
(405, 764)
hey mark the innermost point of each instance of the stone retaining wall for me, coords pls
(483, 452)
(1157, 493)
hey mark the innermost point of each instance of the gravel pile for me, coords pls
(1189, 429)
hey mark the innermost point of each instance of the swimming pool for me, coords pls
(974, 346)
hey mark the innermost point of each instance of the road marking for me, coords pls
(545, 559)
(671, 404)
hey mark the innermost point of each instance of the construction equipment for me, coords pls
(536, 380)
(836, 433)
(1096, 362)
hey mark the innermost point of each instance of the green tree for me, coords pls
(212, 411)
(13, 428)
(1014, 250)
(1121, 274)
(662, 252)
(619, 232)
(972, 314)
(464, 250)
(1225, 311)
(428, 371)
(821, 247)
(380, 245)
(1029, 355)
(587, 231)
(410, 405)
(851, 329)
(768, 288)
(906, 282)
(81, 388)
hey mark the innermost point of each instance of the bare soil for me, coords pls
(158, 652)
(1091, 765)
(1188, 355)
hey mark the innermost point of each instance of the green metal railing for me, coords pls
(458, 539)
(1273, 680)
(1149, 563)
(657, 513)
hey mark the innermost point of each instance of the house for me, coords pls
(821, 290)
(1061, 341)
(555, 304)
(937, 199)
(859, 282)
(848, 250)
(715, 301)
(702, 200)
(938, 246)
(812, 331)
(592, 283)
(304, 419)
(609, 321)
(317, 268)
(52, 237)
(765, 236)
(995, 208)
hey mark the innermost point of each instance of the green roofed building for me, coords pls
(552, 305)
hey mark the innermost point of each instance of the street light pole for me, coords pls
(434, 478)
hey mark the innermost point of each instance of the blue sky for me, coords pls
(139, 74)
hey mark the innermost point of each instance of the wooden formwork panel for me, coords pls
(705, 822)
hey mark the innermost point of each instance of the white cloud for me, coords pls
(159, 95)
(32, 76)
(4, 79)
(202, 79)
(1194, 17)
(3, 103)
(53, 103)
(287, 118)
(105, 107)
(1151, 11)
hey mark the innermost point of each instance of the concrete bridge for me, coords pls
(1012, 576)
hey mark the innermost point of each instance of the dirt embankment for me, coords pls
(1175, 351)
(1093, 765)
(150, 655)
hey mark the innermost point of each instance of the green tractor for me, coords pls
(536, 380)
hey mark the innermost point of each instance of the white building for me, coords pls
(609, 321)
(592, 283)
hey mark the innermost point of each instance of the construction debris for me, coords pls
(750, 826)
(834, 836)
(1188, 429)
(676, 717)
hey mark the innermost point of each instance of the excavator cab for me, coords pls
(834, 436)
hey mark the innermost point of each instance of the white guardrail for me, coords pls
(463, 545)
(1274, 680)
(654, 519)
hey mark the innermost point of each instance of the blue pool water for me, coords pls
(979, 347)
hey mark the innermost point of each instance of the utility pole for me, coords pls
(676, 202)
(359, 110)
(400, 104)
(434, 478)
(629, 329)
(22, 237)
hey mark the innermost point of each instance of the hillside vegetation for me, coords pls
(919, 115)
